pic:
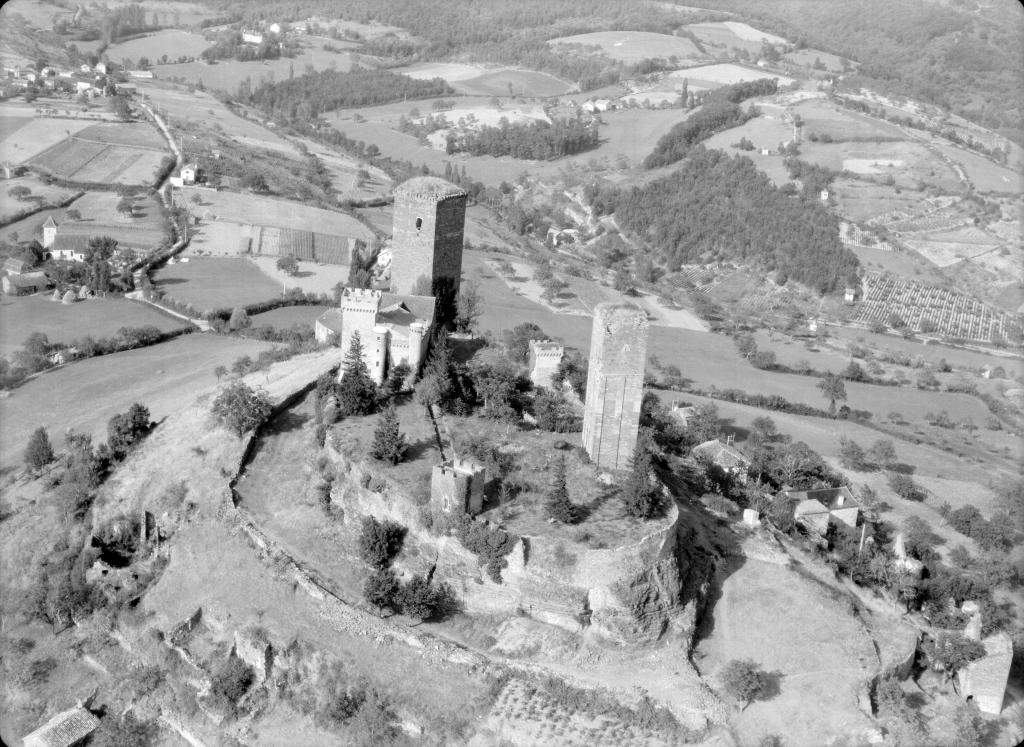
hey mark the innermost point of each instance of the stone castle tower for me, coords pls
(429, 222)
(545, 356)
(359, 308)
(615, 383)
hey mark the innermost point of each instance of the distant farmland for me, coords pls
(633, 46)
(113, 153)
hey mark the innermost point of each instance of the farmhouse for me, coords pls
(252, 37)
(724, 455)
(25, 283)
(140, 74)
(188, 175)
(817, 509)
(14, 266)
(67, 729)
(598, 105)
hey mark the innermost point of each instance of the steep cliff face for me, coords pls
(635, 593)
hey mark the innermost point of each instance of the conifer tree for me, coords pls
(39, 452)
(560, 508)
(388, 441)
(641, 495)
(357, 394)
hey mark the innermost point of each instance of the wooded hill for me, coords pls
(716, 208)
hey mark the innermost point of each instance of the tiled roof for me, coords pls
(64, 729)
(828, 497)
(721, 454)
(331, 319)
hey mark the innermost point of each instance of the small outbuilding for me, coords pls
(67, 729)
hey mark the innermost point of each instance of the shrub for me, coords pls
(905, 487)
(232, 680)
(380, 541)
(39, 452)
(745, 681)
(240, 408)
(489, 544)
(381, 589)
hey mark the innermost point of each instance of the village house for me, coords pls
(724, 455)
(598, 105)
(140, 74)
(67, 729)
(817, 509)
(683, 413)
(252, 37)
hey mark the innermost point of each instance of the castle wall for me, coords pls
(544, 359)
(615, 380)
(985, 679)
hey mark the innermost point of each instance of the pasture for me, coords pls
(861, 201)
(227, 75)
(452, 72)
(216, 283)
(311, 278)
(985, 175)
(513, 82)
(190, 110)
(632, 46)
(808, 57)
(96, 317)
(113, 153)
(821, 118)
(25, 136)
(247, 208)
(720, 36)
(43, 194)
(724, 74)
(288, 316)
(906, 162)
(170, 42)
(83, 396)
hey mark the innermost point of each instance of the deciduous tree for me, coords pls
(832, 388)
(39, 452)
(745, 681)
(240, 408)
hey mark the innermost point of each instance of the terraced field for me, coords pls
(113, 153)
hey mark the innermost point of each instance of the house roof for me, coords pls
(721, 454)
(331, 319)
(399, 309)
(830, 498)
(64, 729)
(809, 506)
(190, 165)
(15, 265)
(29, 280)
(70, 242)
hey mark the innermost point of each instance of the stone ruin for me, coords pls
(984, 680)
(457, 487)
(615, 383)
(254, 648)
(545, 356)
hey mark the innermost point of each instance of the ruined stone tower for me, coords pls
(545, 356)
(615, 383)
(430, 217)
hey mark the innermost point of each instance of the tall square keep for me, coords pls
(615, 383)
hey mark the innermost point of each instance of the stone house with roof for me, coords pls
(817, 509)
(724, 455)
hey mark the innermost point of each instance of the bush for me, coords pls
(240, 408)
(380, 541)
(232, 681)
(745, 681)
(905, 487)
(489, 544)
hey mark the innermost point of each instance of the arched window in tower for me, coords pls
(419, 223)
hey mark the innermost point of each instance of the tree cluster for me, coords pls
(721, 208)
(535, 141)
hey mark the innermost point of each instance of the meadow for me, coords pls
(96, 317)
(43, 195)
(247, 208)
(215, 283)
(632, 46)
(227, 75)
(83, 396)
(725, 74)
(288, 316)
(24, 136)
(114, 153)
(985, 175)
(170, 42)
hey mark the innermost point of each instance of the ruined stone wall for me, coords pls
(618, 352)
(544, 359)
(985, 679)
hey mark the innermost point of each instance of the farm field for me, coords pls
(344, 171)
(724, 74)
(200, 108)
(807, 57)
(520, 82)
(26, 136)
(628, 134)
(214, 283)
(906, 162)
(96, 317)
(120, 153)
(955, 314)
(312, 277)
(725, 38)
(985, 175)
(821, 118)
(83, 396)
(227, 75)
(247, 208)
(861, 201)
(288, 316)
(170, 42)
(632, 46)
(43, 194)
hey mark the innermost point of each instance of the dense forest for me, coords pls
(719, 208)
(967, 62)
(537, 140)
(306, 97)
(720, 111)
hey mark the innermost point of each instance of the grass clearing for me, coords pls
(288, 316)
(83, 396)
(725, 74)
(170, 42)
(632, 46)
(43, 194)
(227, 75)
(246, 208)
(985, 175)
(515, 82)
(214, 283)
(96, 317)
(36, 135)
